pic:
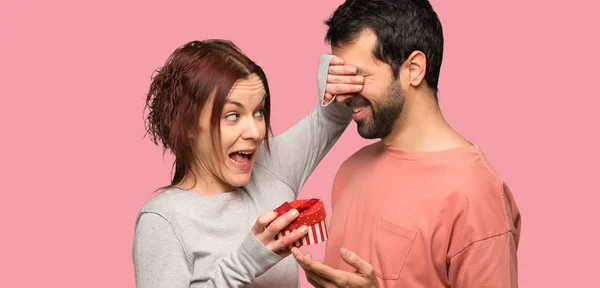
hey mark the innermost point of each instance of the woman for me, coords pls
(210, 105)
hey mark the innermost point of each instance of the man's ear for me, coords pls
(415, 66)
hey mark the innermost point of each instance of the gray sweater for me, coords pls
(184, 239)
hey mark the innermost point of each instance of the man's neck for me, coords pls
(422, 127)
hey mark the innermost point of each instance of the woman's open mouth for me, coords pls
(242, 159)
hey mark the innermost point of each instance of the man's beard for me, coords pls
(384, 113)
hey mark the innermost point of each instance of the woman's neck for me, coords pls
(205, 183)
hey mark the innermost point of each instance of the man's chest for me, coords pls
(397, 224)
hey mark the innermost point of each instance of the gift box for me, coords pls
(312, 214)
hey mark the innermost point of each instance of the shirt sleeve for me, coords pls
(158, 256)
(160, 259)
(296, 152)
(490, 262)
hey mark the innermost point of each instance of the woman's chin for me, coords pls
(239, 180)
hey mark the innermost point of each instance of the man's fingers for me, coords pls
(321, 269)
(303, 259)
(298, 255)
(317, 281)
(325, 276)
(307, 262)
(342, 70)
(314, 283)
(345, 79)
(361, 266)
(313, 278)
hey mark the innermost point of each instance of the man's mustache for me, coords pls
(357, 100)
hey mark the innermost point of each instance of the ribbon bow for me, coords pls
(285, 207)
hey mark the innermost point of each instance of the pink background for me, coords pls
(519, 78)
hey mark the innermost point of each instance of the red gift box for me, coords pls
(312, 214)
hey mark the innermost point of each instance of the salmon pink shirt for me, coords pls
(425, 219)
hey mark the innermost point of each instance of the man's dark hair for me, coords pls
(401, 27)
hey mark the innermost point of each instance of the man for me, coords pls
(422, 207)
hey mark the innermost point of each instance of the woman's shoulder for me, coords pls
(164, 200)
(170, 204)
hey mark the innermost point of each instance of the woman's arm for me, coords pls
(161, 260)
(296, 152)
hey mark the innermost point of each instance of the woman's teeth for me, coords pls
(240, 157)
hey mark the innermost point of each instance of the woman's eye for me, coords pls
(232, 117)
(258, 113)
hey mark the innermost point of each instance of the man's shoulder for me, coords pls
(479, 191)
(478, 177)
(353, 164)
(365, 153)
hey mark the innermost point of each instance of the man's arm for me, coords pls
(490, 262)
(486, 227)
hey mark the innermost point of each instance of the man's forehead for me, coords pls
(359, 51)
(365, 39)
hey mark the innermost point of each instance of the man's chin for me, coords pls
(366, 132)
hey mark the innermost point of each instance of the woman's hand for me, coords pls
(341, 79)
(267, 226)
